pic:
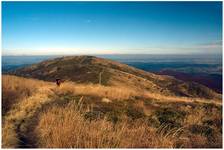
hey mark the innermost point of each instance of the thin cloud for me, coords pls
(215, 45)
(88, 21)
(210, 48)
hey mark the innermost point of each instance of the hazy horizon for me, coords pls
(170, 54)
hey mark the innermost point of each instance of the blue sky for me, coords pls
(111, 28)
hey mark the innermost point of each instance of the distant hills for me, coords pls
(213, 81)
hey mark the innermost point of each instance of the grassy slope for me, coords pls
(104, 116)
(87, 69)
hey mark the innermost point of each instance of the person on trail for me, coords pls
(58, 82)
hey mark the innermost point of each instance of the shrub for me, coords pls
(148, 102)
(113, 117)
(202, 130)
(194, 141)
(134, 112)
(208, 122)
(208, 106)
(169, 116)
(93, 115)
(153, 121)
(216, 122)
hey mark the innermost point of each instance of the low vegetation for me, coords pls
(78, 132)
(40, 114)
(16, 89)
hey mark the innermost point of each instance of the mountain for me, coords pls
(90, 69)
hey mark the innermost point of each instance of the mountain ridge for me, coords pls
(95, 70)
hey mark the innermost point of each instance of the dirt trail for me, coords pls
(19, 117)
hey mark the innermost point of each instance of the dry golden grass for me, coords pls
(66, 128)
(119, 93)
(195, 116)
(21, 98)
(163, 98)
(16, 88)
(124, 93)
(17, 116)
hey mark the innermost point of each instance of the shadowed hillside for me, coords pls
(212, 81)
(90, 69)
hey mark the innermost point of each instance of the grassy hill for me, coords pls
(90, 69)
(106, 104)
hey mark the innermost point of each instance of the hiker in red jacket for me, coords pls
(58, 82)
